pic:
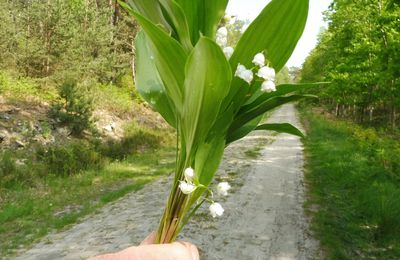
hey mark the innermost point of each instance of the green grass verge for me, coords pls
(29, 213)
(353, 175)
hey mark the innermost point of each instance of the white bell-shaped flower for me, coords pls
(189, 174)
(222, 36)
(222, 32)
(228, 51)
(243, 73)
(268, 86)
(223, 188)
(266, 73)
(247, 76)
(259, 60)
(240, 68)
(216, 210)
(186, 187)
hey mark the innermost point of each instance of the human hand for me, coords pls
(150, 251)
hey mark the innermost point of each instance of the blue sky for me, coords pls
(249, 9)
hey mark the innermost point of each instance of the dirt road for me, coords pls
(263, 219)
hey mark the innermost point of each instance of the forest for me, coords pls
(359, 54)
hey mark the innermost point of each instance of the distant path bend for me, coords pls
(264, 216)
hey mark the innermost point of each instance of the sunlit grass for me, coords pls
(355, 192)
(52, 203)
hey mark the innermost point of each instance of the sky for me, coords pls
(249, 9)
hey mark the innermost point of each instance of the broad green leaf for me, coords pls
(207, 80)
(203, 16)
(148, 8)
(169, 57)
(148, 81)
(178, 22)
(243, 130)
(281, 128)
(213, 12)
(267, 105)
(281, 90)
(275, 32)
(208, 158)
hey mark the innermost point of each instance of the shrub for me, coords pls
(73, 109)
(69, 159)
(135, 138)
(11, 173)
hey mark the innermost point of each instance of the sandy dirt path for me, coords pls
(264, 217)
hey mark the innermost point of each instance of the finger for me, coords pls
(150, 239)
(177, 250)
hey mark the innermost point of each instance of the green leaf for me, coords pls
(208, 158)
(207, 80)
(267, 105)
(243, 130)
(150, 9)
(203, 16)
(169, 58)
(178, 22)
(281, 128)
(148, 81)
(281, 90)
(275, 32)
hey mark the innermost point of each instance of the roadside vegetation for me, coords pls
(353, 174)
(46, 185)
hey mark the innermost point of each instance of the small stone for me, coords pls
(108, 128)
(19, 144)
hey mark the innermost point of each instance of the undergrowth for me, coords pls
(354, 179)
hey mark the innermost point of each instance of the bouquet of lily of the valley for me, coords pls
(212, 94)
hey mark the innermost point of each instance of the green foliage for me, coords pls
(359, 54)
(15, 89)
(136, 138)
(74, 109)
(355, 191)
(86, 39)
(69, 159)
(186, 77)
(12, 174)
(62, 201)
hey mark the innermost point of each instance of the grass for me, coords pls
(354, 181)
(48, 187)
(17, 89)
(52, 203)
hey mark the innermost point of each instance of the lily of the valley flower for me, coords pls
(268, 86)
(222, 188)
(259, 60)
(228, 51)
(216, 210)
(222, 32)
(189, 174)
(222, 36)
(243, 73)
(186, 187)
(266, 73)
